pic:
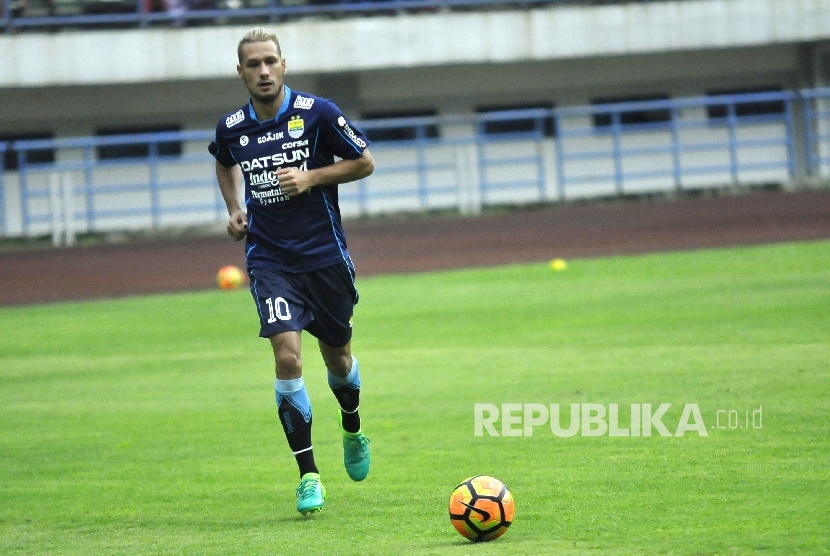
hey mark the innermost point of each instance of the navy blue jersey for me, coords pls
(304, 232)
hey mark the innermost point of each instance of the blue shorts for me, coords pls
(320, 301)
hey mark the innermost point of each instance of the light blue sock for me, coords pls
(351, 380)
(293, 391)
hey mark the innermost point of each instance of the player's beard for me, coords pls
(267, 98)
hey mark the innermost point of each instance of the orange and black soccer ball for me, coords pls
(230, 277)
(481, 508)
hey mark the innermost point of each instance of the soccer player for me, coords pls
(280, 148)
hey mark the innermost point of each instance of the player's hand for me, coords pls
(294, 181)
(238, 225)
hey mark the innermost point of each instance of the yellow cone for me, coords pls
(558, 264)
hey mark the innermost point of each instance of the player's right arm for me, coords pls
(230, 184)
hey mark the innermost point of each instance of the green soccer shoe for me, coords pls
(311, 494)
(355, 453)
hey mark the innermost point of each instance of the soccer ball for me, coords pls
(229, 277)
(481, 508)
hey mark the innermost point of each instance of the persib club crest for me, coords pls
(296, 127)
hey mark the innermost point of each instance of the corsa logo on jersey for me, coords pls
(294, 144)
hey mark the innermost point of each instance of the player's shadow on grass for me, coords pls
(297, 518)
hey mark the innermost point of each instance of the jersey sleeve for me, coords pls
(341, 136)
(219, 148)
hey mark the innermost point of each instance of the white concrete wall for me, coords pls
(72, 83)
(79, 110)
(315, 46)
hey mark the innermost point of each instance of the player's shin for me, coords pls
(347, 391)
(294, 409)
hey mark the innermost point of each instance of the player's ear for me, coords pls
(239, 70)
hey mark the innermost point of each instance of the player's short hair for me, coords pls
(257, 34)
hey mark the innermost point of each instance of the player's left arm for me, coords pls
(294, 181)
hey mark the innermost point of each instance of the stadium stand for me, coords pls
(533, 102)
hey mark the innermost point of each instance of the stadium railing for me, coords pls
(43, 14)
(111, 193)
(3, 231)
(771, 131)
(817, 128)
(466, 163)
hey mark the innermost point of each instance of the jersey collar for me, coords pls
(283, 107)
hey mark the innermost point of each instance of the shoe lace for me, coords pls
(361, 442)
(306, 489)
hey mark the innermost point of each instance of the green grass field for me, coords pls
(147, 425)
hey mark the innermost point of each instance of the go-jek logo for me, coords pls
(270, 137)
(592, 419)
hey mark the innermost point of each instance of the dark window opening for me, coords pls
(137, 150)
(37, 156)
(403, 133)
(751, 108)
(633, 117)
(521, 125)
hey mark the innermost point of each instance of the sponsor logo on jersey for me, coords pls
(243, 140)
(269, 196)
(270, 137)
(265, 187)
(303, 102)
(266, 178)
(295, 144)
(235, 118)
(275, 160)
(341, 121)
(296, 127)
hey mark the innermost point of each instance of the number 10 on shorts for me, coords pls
(277, 309)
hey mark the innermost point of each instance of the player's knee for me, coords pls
(338, 360)
(339, 365)
(288, 365)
